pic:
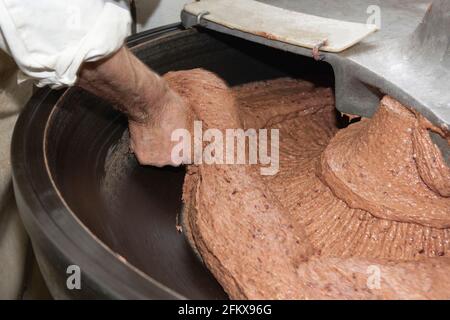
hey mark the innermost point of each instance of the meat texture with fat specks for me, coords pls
(246, 229)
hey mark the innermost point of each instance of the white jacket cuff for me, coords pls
(59, 68)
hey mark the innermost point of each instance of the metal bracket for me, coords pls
(200, 16)
(316, 50)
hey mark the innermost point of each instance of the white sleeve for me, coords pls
(50, 39)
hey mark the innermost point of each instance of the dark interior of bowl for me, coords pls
(135, 215)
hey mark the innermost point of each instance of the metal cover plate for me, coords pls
(408, 58)
(296, 28)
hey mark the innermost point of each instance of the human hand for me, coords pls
(150, 140)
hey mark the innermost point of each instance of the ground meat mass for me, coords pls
(356, 213)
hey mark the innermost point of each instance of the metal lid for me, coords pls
(406, 59)
(275, 23)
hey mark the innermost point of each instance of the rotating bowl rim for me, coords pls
(47, 217)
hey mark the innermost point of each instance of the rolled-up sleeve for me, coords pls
(50, 39)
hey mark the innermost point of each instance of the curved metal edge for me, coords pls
(34, 211)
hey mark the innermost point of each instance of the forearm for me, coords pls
(126, 82)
